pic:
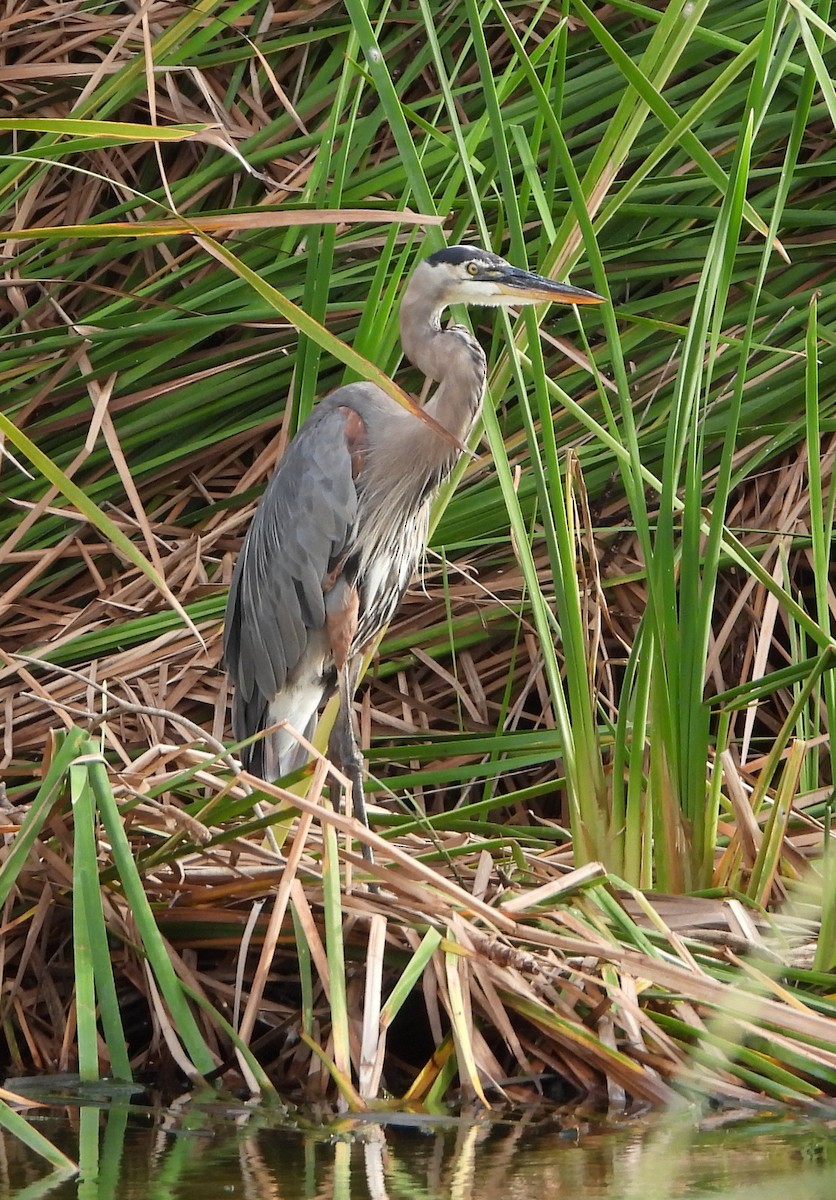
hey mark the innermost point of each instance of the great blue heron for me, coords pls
(343, 522)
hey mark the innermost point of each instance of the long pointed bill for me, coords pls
(524, 285)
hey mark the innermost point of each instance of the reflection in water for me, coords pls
(206, 1150)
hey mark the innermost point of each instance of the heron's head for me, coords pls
(468, 275)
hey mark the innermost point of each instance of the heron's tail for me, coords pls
(277, 753)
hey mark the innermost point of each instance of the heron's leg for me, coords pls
(343, 749)
(342, 608)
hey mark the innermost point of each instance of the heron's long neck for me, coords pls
(413, 457)
(456, 401)
(455, 359)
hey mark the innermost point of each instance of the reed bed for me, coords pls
(598, 730)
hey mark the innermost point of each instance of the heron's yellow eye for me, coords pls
(472, 268)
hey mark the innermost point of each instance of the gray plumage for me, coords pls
(343, 523)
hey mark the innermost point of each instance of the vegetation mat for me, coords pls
(598, 727)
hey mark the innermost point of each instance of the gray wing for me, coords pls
(303, 525)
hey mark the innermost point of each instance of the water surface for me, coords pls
(199, 1150)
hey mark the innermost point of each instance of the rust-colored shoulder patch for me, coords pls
(341, 625)
(355, 439)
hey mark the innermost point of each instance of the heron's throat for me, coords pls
(458, 398)
(456, 361)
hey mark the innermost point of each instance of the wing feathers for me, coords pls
(302, 527)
